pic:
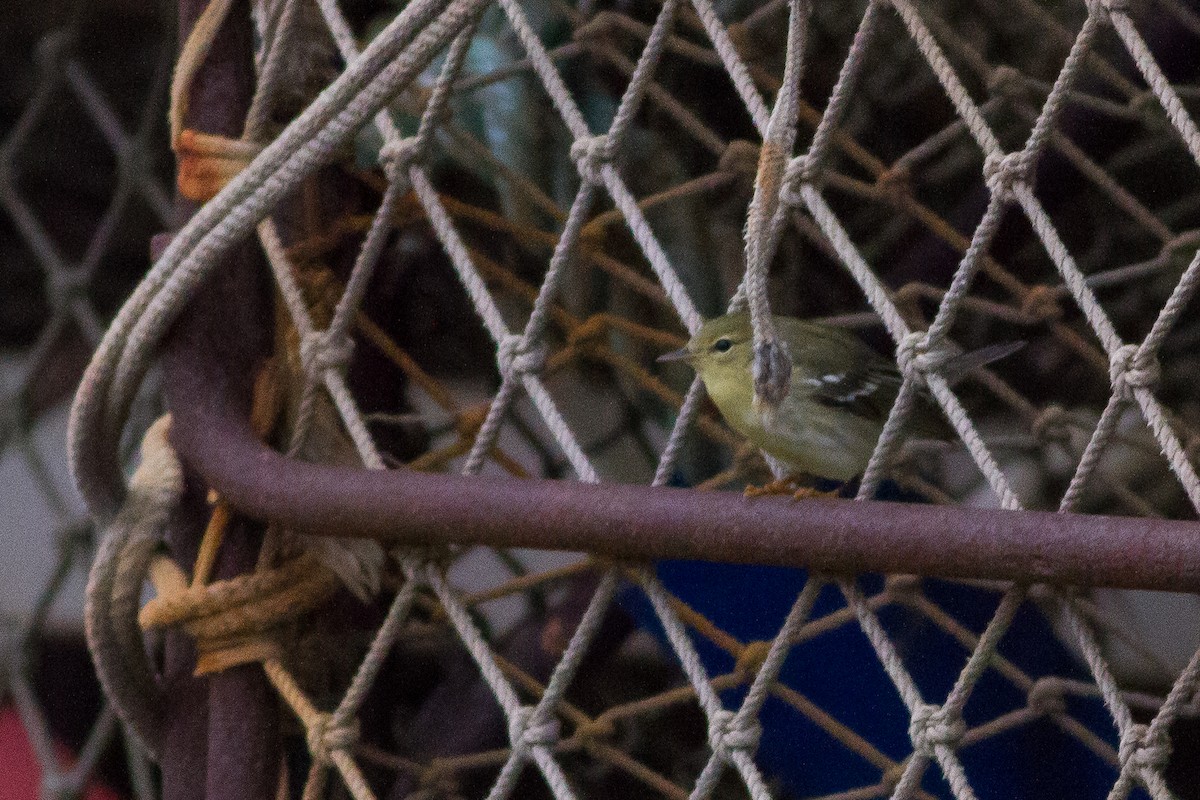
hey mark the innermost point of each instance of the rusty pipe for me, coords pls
(646, 523)
(222, 737)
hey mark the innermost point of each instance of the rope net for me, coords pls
(532, 201)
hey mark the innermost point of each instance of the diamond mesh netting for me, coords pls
(545, 197)
(82, 172)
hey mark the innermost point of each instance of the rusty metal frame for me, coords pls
(646, 523)
(221, 735)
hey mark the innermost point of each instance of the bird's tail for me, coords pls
(959, 366)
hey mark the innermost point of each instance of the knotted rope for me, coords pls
(516, 357)
(396, 155)
(1004, 172)
(1129, 369)
(932, 727)
(325, 735)
(729, 732)
(1140, 751)
(917, 357)
(207, 161)
(321, 351)
(527, 729)
(590, 154)
(1046, 696)
(236, 621)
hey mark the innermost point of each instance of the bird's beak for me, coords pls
(682, 354)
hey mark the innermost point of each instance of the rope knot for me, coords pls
(397, 154)
(772, 370)
(1004, 172)
(903, 586)
(932, 726)
(1006, 81)
(1143, 751)
(527, 728)
(729, 733)
(917, 357)
(589, 154)
(323, 350)
(801, 171)
(1128, 370)
(1053, 425)
(516, 357)
(324, 737)
(240, 620)
(132, 160)
(1040, 304)
(64, 285)
(468, 421)
(1101, 8)
(1187, 241)
(892, 775)
(751, 659)
(436, 780)
(740, 160)
(597, 29)
(1046, 697)
(746, 42)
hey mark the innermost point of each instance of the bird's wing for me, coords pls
(836, 369)
(866, 390)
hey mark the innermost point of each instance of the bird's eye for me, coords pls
(722, 345)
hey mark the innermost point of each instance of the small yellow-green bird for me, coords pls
(841, 392)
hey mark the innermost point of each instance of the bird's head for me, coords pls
(723, 347)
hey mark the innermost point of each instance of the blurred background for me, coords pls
(85, 177)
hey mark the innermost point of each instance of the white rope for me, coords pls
(772, 368)
(733, 739)
(115, 585)
(124, 354)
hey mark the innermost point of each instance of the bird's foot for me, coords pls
(811, 493)
(784, 486)
(798, 487)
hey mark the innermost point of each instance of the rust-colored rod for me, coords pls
(222, 738)
(638, 522)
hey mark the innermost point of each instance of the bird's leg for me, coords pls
(798, 485)
(784, 486)
(813, 493)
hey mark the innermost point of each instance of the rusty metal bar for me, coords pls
(638, 522)
(222, 736)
